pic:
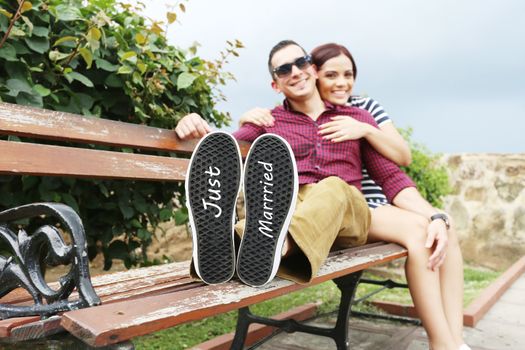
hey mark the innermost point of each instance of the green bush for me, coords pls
(100, 58)
(430, 177)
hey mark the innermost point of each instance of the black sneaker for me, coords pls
(212, 186)
(270, 191)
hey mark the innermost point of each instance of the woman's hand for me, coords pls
(343, 128)
(192, 126)
(437, 237)
(258, 116)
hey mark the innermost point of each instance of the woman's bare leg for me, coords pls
(393, 224)
(451, 278)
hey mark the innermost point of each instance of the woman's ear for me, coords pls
(316, 70)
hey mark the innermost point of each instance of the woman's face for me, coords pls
(336, 80)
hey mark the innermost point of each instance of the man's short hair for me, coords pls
(279, 46)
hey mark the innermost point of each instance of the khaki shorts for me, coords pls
(329, 215)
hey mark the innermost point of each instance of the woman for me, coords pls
(437, 292)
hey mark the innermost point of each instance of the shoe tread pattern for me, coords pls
(258, 252)
(215, 247)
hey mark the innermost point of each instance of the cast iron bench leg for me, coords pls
(347, 285)
(241, 331)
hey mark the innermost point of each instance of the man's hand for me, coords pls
(192, 126)
(258, 116)
(437, 237)
(343, 128)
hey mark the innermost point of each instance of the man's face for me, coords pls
(300, 83)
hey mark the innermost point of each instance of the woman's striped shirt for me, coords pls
(373, 193)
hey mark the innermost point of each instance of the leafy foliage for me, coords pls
(430, 177)
(100, 58)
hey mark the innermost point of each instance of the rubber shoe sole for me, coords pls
(270, 190)
(212, 187)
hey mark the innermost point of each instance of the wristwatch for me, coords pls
(443, 217)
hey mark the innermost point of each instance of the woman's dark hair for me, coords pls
(323, 53)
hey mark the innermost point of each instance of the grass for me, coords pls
(476, 279)
(325, 294)
(187, 335)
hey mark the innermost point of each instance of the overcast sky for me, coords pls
(453, 70)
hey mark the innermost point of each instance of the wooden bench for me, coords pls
(145, 300)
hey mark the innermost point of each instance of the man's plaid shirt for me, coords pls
(317, 158)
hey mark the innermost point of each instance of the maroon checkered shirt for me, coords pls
(317, 158)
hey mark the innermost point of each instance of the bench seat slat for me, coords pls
(126, 292)
(20, 158)
(113, 286)
(176, 269)
(124, 320)
(154, 283)
(7, 325)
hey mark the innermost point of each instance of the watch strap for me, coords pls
(441, 216)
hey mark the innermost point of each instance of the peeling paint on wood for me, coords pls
(32, 159)
(7, 325)
(37, 330)
(176, 268)
(201, 301)
(119, 285)
(124, 320)
(40, 123)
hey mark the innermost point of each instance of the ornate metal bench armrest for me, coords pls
(23, 268)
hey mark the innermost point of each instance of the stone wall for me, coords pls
(488, 206)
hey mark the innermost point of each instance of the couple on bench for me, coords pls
(306, 191)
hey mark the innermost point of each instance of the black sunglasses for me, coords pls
(286, 69)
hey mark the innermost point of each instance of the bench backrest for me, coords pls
(22, 158)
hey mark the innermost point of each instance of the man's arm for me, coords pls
(248, 132)
(384, 172)
(192, 126)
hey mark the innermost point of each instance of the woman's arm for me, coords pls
(387, 141)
